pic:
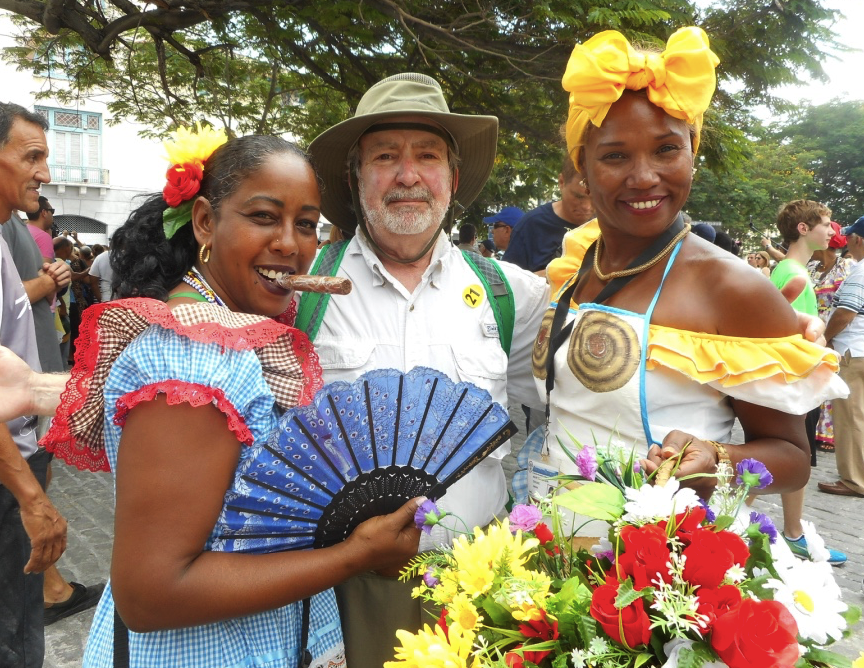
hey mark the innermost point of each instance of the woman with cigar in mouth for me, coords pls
(174, 383)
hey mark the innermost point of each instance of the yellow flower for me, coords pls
(462, 613)
(859, 662)
(495, 552)
(527, 612)
(188, 146)
(428, 649)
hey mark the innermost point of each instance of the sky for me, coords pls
(846, 71)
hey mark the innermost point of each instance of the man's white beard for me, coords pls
(403, 220)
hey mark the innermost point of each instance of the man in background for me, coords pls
(468, 238)
(501, 225)
(537, 237)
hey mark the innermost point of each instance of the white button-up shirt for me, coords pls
(380, 324)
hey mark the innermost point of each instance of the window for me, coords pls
(75, 142)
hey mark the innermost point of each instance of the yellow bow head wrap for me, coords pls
(681, 80)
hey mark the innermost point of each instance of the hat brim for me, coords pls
(476, 138)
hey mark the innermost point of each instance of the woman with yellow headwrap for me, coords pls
(651, 339)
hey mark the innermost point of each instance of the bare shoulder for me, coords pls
(727, 296)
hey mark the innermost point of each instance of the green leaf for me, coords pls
(723, 522)
(594, 499)
(499, 615)
(587, 627)
(827, 657)
(627, 594)
(642, 659)
(173, 218)
(695, 656)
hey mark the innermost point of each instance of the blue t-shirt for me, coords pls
(536, 239)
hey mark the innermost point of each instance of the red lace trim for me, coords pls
(76, 432)
(194, 394)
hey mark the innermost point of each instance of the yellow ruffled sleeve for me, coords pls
(575, 245)
(789, 373)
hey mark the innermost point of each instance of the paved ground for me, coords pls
(86, 500)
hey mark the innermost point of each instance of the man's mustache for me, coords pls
(422, 194)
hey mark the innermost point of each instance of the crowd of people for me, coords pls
(189, 348)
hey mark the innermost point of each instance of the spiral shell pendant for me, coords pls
(604, 351)
(541, 345)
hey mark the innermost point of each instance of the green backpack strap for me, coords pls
(501, 295)
(310, 311)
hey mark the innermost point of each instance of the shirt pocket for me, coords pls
(482, 360)
(344, 355)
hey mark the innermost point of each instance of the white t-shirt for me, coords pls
(101, 269)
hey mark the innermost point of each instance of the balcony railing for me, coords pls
(79, 175)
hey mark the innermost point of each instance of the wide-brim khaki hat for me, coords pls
(411, 94)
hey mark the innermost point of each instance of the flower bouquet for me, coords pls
(678, 583)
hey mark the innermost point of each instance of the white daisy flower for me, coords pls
(650, 502)
(809, 592)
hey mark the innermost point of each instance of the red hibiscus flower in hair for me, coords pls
(710, 554)
(756, 634)
(184, 182)
(632, 619)
(645, 557)
(716, 602)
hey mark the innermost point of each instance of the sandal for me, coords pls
(825, 447)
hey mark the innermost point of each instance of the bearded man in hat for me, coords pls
(399, 170)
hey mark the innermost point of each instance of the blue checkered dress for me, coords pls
(266, 640)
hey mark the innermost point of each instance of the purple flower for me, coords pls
(524, 517)
(762, 524)
(429, 578)
(710, 515)
(606, 554)
(427, 516)
(586, 462)
(752, 472)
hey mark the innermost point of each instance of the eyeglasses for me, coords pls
(499, 225)
(51, 210)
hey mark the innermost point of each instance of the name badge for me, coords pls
(490, 330)
(539, 478)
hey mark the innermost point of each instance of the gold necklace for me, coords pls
(642, 267)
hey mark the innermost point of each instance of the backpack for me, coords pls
(310, 312)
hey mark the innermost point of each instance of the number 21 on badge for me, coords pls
(473, 295)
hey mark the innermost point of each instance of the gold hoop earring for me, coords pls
(204, 259)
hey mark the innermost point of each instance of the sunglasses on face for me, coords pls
(49, 210)
(499, 225)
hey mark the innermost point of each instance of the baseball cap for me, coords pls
(509, 215)
(855, 228)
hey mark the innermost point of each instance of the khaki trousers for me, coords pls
(849, 425)
(372, 609)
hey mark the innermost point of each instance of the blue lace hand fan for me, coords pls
(359, 450)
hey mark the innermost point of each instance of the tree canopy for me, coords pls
(298, 66)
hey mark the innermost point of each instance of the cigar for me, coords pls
(334, 285)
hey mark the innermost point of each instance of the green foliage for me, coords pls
(594, 499)
(299, 66)
(829, 138)
(695, 656)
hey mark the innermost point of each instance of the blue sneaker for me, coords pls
(800, 550)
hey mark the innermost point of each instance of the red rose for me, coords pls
(686, 523)
(184, 181)
(716, 602)
(710, 554)
(543, 533)
(633, 618)
(756, 634)
(645, 557)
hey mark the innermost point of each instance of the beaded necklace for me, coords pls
(197, 282)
